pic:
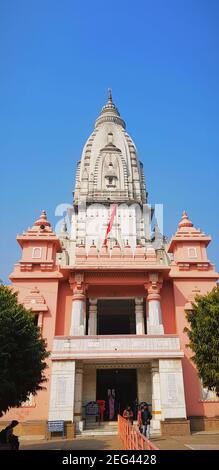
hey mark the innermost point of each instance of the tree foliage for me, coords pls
(204, 337)
(22, 352)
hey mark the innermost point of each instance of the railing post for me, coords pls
(131, 438)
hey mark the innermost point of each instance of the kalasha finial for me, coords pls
(110, 98)
(42, 221)
(185, 222)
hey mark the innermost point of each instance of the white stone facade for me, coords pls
(172, 389)
(159, 382)
(131, 346)
(62, 391)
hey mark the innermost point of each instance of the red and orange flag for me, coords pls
(110, 224)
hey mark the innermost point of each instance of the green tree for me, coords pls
(22, 352)
(204, 337)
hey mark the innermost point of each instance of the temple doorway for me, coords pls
(116, 317)
(118, 388)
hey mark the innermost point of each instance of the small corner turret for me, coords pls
(188, 247)
(39, 246)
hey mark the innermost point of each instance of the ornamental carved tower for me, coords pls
(109, 172)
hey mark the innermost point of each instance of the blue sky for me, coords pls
(58, 58)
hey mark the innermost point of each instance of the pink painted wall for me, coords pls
(168, 308)
(182, 251)
(116, 291)
(47, 251)
(195, 406)
(49, 289)
(64, 308)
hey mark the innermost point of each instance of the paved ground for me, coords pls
(80, 443)
(198, 441)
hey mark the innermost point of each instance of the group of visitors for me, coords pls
(144, 418)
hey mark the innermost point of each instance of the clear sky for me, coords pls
(160, 57)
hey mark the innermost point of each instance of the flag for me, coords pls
(110, 224)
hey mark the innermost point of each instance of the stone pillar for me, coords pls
(89, 384)
(78, 314)
(144, 384)
(172, 388)
(139, 316)
(156, 400)
(155, 322)
(78, 415)
(62, 390)
(92, 321)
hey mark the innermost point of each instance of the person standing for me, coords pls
(135, 407)
(139, 419)
(111, 407)
(128, 414)
(144, 419)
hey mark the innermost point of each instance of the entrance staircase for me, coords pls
(107, 428)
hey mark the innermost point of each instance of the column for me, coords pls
(156, 400)
(78, 315)
(139, 316)
(155, 322)
(89, 384)
(78, 417)
(62, 390)
(144, 384)
(92, 321)
(172, 388)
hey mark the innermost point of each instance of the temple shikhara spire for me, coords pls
(109, 293)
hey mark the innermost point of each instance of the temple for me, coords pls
(109, 294)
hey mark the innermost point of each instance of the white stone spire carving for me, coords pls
(109, 170)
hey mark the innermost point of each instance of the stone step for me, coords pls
(102, 425)
(107, 429)
(105, 423)
(32, 437)
(95, 432)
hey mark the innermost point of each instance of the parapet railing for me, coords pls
(131, 438)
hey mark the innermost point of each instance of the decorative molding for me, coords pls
(117, 365)
(78, 286)
(153, 286)
(192, 252)
(37, 252)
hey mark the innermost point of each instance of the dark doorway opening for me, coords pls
(116, 317)
(122, 383)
